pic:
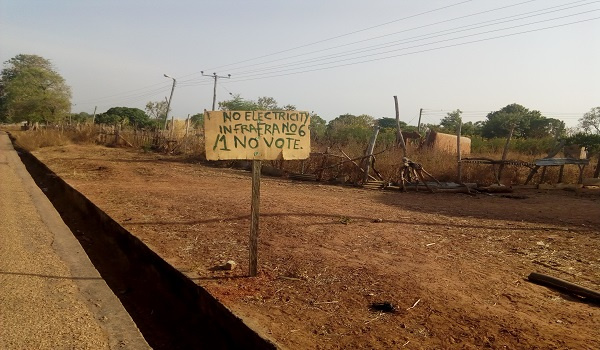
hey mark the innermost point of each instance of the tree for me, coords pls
(237, 103)
(390, 123)
(81, 117)
(266, 104)
(31, 90)
(157, 110)
(347, 127)
(471, 129)
(197, 120)
(450, 122)
(590, 122)
(124, 115)
(527, 124)
(317, 127)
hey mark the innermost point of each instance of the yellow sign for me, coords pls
(260, 135)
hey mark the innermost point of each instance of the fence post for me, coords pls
(505, 152)
(399, 137)
(458, 155)
(369, 153)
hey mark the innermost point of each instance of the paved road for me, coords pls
(51, 296)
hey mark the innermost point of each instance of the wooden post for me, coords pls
(419, 124)
(185, 137)
(369, 154)
(542, 177)
(458, 155)
(255, 214)
(505, 152)
(187, 125)
(94, 116)
(581, 168)
(551, 154)
(117, 134)
(323, 164)
(172, 127)
(355, 163)
(399, 138)
(561, 173)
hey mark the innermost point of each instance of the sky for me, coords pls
(330, 57)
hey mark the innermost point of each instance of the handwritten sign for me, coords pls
(259, 135)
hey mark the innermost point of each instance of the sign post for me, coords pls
(256, 136)
(255, 216)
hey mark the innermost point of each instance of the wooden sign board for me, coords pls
(257, 135)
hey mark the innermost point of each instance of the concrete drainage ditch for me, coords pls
(171, 311)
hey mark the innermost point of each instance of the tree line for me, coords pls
(32, 90)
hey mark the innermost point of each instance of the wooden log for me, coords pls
(565, 286)
(496, 189)
(358, 166)
(125, 140)
(581, 168)
(399, 138)
(505, 152)
(369, 153)
(255, 215)
(543, 176)
(560, 173)
(303, 177)
(353, 159)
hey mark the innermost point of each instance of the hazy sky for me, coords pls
(330, 57)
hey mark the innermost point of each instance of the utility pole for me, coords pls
(419, 125)
(215, 76)
(169, 101)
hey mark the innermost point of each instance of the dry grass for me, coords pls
(443, 166)
(33, 140)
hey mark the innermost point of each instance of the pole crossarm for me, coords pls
(215, 77)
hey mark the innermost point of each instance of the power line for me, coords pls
(281, 70)
(349, 33)
(422, 37)
(419, 51)
(407, 30)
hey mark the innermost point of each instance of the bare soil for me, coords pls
(453, 266)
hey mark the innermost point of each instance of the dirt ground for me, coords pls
(454, 266)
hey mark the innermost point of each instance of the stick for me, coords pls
(370, 154)
(358, 166)
(373, 319)
(505, 152)
(420, 175)
(326, 302)
(564, 286)
(353, 159)
(415, 304)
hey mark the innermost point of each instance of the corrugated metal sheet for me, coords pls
(560, 161)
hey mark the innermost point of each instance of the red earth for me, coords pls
(453, 266)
